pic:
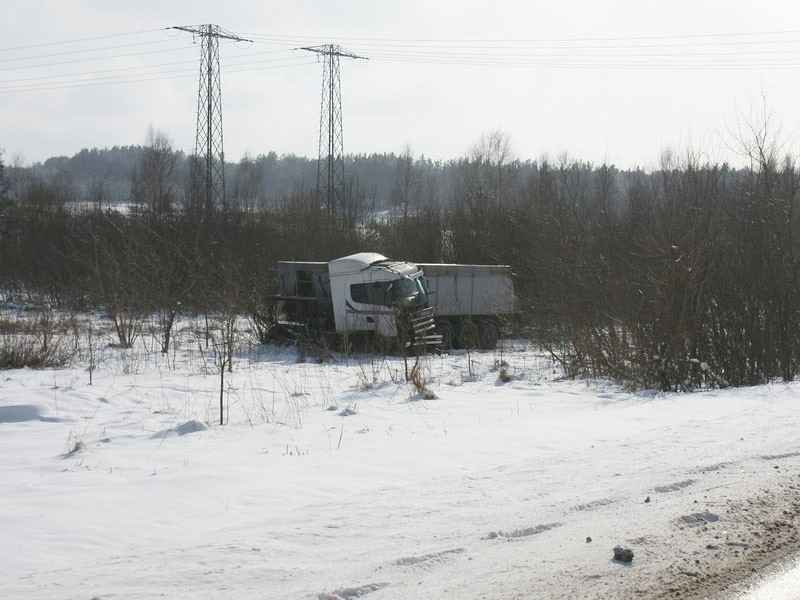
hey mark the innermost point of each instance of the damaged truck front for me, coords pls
(358, 298)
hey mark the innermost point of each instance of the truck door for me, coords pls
(368, 307)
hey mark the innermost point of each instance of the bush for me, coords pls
(18, 352)
(32, 344)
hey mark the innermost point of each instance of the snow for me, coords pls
(338, 480)
(783, 585)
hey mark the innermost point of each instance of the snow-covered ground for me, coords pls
(776, 585)
(338, 480)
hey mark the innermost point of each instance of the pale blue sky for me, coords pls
(602, 81)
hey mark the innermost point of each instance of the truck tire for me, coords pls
(445, 329)
(468, 334)
(488, 335)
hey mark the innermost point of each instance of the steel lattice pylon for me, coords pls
(208, 164)
(330, 166)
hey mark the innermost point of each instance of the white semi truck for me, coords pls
(367, 295)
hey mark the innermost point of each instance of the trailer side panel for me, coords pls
(464, 290)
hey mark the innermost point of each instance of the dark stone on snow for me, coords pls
(624, 555)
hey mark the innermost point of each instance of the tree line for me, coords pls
(682, 276)
(108, 176)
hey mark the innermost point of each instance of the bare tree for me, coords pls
(479, 218)
(248, 189)
(155, 179)
(97, 195)
(407, 182)
(492, 165)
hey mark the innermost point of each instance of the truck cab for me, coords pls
(373, 293)
(362, 294)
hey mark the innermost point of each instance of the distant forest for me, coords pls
(384, 183)
(110, 174)
(683, 276)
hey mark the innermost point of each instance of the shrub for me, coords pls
(30, 344)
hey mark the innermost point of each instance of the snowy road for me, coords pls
(491, 490)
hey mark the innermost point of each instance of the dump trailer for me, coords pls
(470, 302)
(359, 297)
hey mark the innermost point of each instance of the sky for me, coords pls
(615, 82)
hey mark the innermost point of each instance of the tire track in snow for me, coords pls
(426, 559)
(350, 593)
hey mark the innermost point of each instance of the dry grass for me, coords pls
(32, 343)
(19, 352)
(419, 378)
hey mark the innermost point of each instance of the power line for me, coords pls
(700, 51)
(144, 67)
(721, 51)
(100, 72)
(138, 79)
(441, 46)
(764, 57)
(96, 58)
(83, 51)
(79, 40)
(294, 38)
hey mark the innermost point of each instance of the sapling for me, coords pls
(92, 364)
(223, 361)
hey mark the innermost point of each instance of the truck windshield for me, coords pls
(408, 291)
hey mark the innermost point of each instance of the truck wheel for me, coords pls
(468, 335)
(489, 334)
(445, 329)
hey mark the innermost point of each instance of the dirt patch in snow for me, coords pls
(754, 534)
(711, 544)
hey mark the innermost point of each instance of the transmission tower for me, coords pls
(208, 165)
(330, 166)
